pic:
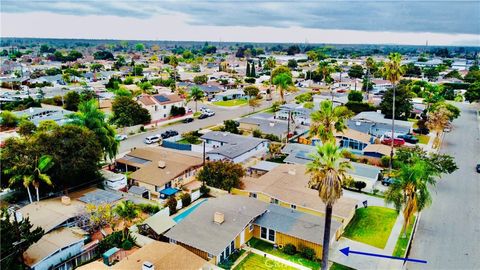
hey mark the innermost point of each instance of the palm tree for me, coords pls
(393, 71)
(327, 120)
(44, 164)
(410, 190)
(91, 117)
(327, 172)
(127, 211)
(370, 64)
(195, 94)
(326, 70)
(174, 63)
(438, 120)
(270, 63)
(283, 81)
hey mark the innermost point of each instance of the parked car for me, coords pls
(478, 168)
(423, 131)
(210, 113)
(152, 139)
(188, 120)
(409, 138)
(169, 133)
(203, 116)
(121, 137)
(396, 141)
(388, 181)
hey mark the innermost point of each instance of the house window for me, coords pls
(293, 206)
(253, 195)
(222, 256)
(227, 252)
(156, 108)
(164, 115)
(232, 246)
(251, 227)
(274, 201)
(263, 233)
(173, 241)
(164, 106)
(271, 235)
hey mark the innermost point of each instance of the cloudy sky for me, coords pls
(440, 22)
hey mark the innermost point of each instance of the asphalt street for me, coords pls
(448, 235)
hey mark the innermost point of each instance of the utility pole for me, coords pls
(288, 125)
(393, 130)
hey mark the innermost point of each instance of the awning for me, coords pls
(169, 191)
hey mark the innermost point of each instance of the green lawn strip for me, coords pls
(337, 266)
(185, 141)
(402, 242)
(254, 261)
(371, 225)
(414, 121)
(227, 264)
(297, 258)
(231, 103)
(423, 139)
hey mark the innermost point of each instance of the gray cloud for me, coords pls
(396, 16)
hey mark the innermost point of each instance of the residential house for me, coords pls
(377, 150)
(160, 170)
(266, 126)
(298, 113)
(56, 80)
(379, 118)
(36, 115)
(228, 222)
(233, 147)
(380, 85)
(375, 129)
(160, 105)
(354, 140)
(229, 94)
(287, 186)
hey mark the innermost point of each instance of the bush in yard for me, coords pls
(360, 185)
(249, 80)
(355, 96)
(307, 253)
(127, 245)
(272, 137)
(257, 133)
(204, 190)
(222, 174)
(289, 249)
(172, 205)
(225, 98)
(358, 106)
(149, 208)
(186, 199)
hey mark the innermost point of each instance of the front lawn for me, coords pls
(231, 103)
(402, 242)
(254, 261)
(337, 266)
(228, 263)
(185, 141)
(297, 258)
(423, 139)
(371, 225)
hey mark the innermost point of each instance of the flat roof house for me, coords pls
(233, 147)
(221, 225)
(376, 129)
(160, 170)
(36, 115)
(266, 126)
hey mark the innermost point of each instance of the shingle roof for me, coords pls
(200, 231)
(236, 145)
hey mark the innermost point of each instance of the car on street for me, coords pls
(203, 108)
(121, 137)
(423, 131)
(209, 113)
(396, 141)
(203, 116)
(169, 133)
(409, 138)
(187, 120)
(388, 181)
(152, 139)
(478, 168)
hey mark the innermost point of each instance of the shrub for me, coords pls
(149, 208)
(225, 98)
(358, 107)
(249, 80)
(172, 205)
(355, 96)
(257, 133)
(127, 245)
(307, 253)
(290, 249)
(360, 185)
(204, 190)
(272, 137)
(142, 128)
(375, 191)
(186, 199)
(26, 128)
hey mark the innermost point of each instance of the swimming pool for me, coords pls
(187, 212)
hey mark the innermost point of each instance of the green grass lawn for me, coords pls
(337, 266)
(184, 141)
(231, 103)
(228, 263)
(414, 121)
(423, 139)
(371, 225)
(402, 242)
(254, 261)
(297, 258)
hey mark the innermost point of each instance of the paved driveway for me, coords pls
(448, 235)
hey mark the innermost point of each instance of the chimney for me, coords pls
(148, 266)
(292, 171)
(218, 217)
(66, 200)
(161, 164)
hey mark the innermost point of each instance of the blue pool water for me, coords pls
(187, 212)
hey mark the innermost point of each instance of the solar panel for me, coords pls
(100, 196)
(136, 159)
(303, 154)
(161, 98)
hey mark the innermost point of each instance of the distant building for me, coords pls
(36, 115)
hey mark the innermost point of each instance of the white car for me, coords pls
(121, 137)
(209, 113)
(152, 139)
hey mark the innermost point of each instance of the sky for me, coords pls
(440, 22)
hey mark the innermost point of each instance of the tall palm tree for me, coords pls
(44, 163)
(327, 172)
(195, 94)
(174, 63)
(91, 117)
(370, 64)
(393, 71)
(128, 212)
(283, 81)
(438, 120)
(326, 69)
(270, 63)
(410, 190)
(327, 120)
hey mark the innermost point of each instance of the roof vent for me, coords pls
(148, 266)
(161, 164)
(292, 171)
(218, 217)
(66, 200)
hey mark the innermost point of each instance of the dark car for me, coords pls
(203, 116)
(423, 131)
(169, 133)
(188, 120)
(478, 167)
(388, 181)
(409, 138)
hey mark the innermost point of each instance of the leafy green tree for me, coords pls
(252, 70)
(196, 94)
(412, 71)
(128, 212)
(292, 64)
(96, 67)
(355, 96)
(137, 70)
(327, 120)
(284, 82)
(473, 92)
(221, 174)
(127, 112)
(231, 126)
(47, 126)
(453, 74)
(26, 128)
(472, 76)
(403, 102)
(91, 117)
(8, 119)
(39, 175)
(17, 236)
(251, 91)
(327, 172)
(201, 79)
(103, 55)
(270, 63)
(356, 71)
(139, 47)
(431, 73)
(441, 163)
(72, 99)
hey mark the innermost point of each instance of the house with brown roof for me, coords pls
(160, 170)
(287, 185)
(160, 105)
